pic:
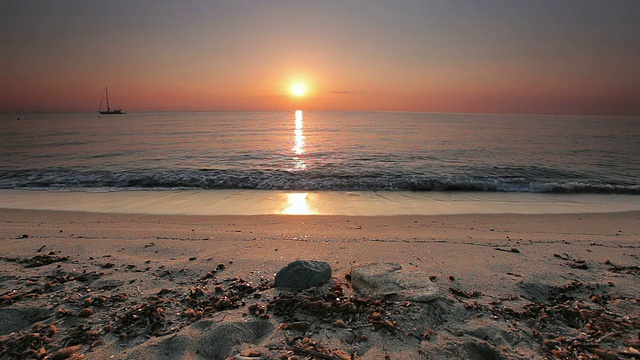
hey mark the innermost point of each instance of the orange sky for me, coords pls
(442, 56)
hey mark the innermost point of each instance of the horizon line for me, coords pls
(289, 110)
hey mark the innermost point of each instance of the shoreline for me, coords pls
(344, 203)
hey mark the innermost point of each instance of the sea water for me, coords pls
(425, 154)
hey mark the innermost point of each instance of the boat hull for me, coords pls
(112, 112)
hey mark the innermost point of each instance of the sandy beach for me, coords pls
(116, 286)
(320, 180)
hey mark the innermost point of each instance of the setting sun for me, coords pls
(299, 89)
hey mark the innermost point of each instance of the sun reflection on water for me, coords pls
(298, 204)
(299, 143)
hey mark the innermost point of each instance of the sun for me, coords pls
(299, 90)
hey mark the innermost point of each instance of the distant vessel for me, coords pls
(109, 111)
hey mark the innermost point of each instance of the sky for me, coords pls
(487, 56)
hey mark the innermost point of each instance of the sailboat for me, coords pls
(109, 110)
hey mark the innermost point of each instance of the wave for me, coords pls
(67, 179)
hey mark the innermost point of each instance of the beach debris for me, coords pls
(337, 310)
(571, 262)
(82, 334)
(630, 270)
(60, 277)
(13, 296)
(66, 353)
(211, 274)
(339, 324)
(86, 312)
(583, 310)
(384, 324)
(513, 250)
(461, 293)
(576, 320)
(35, 343)
(240, 357)
(39, 260)
(301, 326)
(578, 264)
(428, 333)
(303, 274)
(146, 318)
(306, 346)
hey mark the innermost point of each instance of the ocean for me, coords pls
(321, 151)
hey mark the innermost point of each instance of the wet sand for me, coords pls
(201, 287)
(345, 203)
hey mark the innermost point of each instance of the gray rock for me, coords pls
(388, 279)
(303, 274)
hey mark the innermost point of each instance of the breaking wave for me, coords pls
(67, 179)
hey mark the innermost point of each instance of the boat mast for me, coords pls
(106, 91)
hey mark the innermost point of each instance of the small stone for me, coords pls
(348, 308)
(84, 313)
(341, 354)
(339, 324)
(300, 326)
(303, 274)
(428, 333)
(65, 353)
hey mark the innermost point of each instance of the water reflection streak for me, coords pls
(299, 143)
